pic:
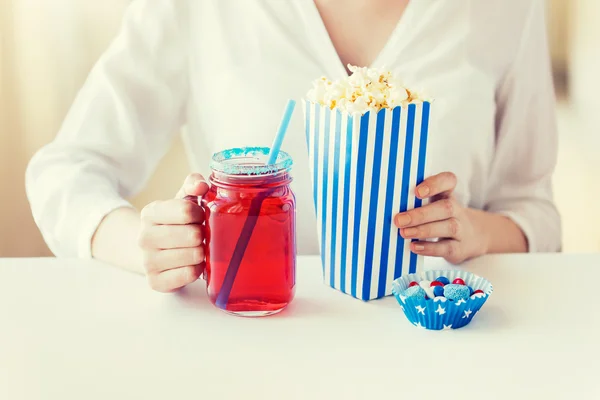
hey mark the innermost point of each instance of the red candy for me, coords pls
(436, 283)
(413, 283)
(478, 291)
(458, 281)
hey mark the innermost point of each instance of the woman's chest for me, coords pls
(248, 58)
(372, 24)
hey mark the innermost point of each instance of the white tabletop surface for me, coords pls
(82, 330)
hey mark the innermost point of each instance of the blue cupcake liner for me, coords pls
(440, 313)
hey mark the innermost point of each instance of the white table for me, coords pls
(82, 330)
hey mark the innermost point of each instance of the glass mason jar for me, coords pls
(250, 232)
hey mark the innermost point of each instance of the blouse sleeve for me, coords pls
(119, 127)
(527, 140)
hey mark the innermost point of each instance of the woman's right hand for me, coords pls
(171, 238)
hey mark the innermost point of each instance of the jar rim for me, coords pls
(230, 161)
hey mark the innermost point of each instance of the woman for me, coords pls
(224, 68)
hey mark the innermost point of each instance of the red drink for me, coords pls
(264, 282)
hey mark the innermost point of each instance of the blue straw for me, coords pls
(253, 213)
(283, 127)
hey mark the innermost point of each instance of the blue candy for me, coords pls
(455, 292)
(438, 291)
(415, 291)
(444, 280)
(470, 290)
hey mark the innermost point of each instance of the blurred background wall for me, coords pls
(47, 47)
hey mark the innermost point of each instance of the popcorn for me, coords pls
(367, 89)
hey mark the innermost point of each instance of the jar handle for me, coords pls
(197, 200)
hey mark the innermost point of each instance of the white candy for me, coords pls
(426, 286)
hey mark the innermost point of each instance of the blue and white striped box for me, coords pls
(364, 170)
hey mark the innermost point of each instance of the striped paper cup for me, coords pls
(440, 313)
(364, 170)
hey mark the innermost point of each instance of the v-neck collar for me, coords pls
(326, 52)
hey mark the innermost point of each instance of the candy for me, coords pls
(441, 287)
(426, 285)
(414, 292)
(455, 292)
(445, 281)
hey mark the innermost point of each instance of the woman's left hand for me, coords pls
(461, 238)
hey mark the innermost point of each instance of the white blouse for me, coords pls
(223, 69)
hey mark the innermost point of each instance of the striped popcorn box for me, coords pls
(364, 170)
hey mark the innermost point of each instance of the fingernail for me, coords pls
(402, 220)
(194, 186)
(423, 190)
(419, 247)
(199, 182)
(409, 232)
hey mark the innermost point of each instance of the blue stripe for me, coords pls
(373, 203)
(307, 125)
(316, 157)
(324, 221)
(346, 207)
(389, 203)
(360, 177)
(421, 169)
(410, 131)
(334, 200)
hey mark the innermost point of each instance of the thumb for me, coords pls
(194, 185)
